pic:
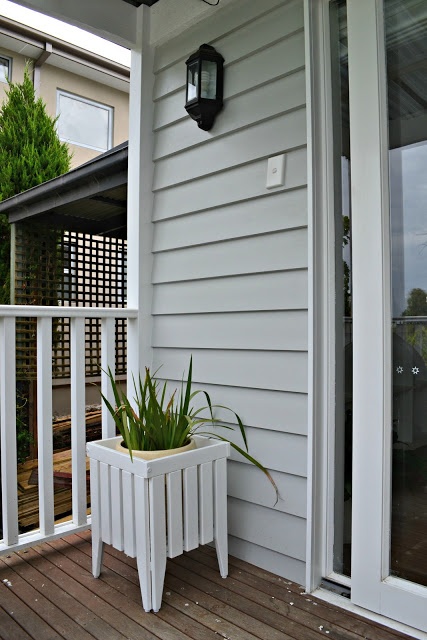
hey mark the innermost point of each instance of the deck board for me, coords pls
(48, 593)
(287, 591)
(11, 629)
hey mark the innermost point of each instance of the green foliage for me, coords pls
(4, 260)
(159, 423)
(416, 303)
(30, 153)
(23, 437)
(30, 150)
(346, 268)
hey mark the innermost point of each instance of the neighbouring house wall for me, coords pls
(18, 66)
(230, 260)
(53, 78)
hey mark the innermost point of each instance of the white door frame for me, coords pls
(372, 586)
(371, 299)
(320, 181)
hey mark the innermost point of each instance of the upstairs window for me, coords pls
(84, 122)
(5, 68)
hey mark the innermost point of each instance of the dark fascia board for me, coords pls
(104, 172)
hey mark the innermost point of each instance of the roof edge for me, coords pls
(105, 164)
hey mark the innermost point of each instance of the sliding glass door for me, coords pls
(384, 422)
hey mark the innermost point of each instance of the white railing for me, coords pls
(12, 539)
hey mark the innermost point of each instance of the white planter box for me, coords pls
(156, 509)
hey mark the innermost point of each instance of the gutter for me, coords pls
(62, 49)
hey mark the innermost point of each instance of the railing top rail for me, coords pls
(27, 311)
(410, 319)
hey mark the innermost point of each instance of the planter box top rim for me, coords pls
(208, 449)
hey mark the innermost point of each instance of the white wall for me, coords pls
(230, 260)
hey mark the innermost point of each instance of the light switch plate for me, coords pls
(276, 171)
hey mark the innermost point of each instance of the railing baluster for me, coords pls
(78, 315)
(44, 424)
(9, 480)
(78, 420)
(108, 339)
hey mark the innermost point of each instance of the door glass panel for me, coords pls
(343, 302)
(406, 43)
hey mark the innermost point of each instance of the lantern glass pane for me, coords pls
(192, 80)
(208, 80)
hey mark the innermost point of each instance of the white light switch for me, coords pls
(276, 171)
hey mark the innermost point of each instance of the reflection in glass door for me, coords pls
(343, 299)
(406, 39)
(408, 168)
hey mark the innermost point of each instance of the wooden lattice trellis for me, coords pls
(67, 268)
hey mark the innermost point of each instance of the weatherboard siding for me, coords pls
(230, 260)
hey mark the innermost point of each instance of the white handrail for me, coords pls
(25, 311)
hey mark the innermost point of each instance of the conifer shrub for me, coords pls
(30, 154)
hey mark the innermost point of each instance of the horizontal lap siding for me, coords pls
(285, 290)
(281, 331)
(230, 261)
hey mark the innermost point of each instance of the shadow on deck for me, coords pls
(48, 593)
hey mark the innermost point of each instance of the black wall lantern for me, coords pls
(205, 80)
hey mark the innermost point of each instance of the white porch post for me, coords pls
(140, 199)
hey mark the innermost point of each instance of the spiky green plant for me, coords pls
(154, 422)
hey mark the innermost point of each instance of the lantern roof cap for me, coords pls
(207, 52)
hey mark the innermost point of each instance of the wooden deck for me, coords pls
(48, 593)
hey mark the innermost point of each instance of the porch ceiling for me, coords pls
(89, 199)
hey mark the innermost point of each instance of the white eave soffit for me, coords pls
(115, 20)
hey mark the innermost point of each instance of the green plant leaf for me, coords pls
(153, 420)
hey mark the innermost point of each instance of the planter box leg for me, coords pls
(220, 515)
(97, 543)
(157, 539)
(144, 583)
(97, 553)
(142, 530)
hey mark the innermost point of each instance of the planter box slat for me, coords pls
(206, 503)
(129, 543)
(104, 472)
(116, 508)
(174, 514)
(155, 509)
(191, 515)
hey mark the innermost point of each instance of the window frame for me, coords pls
(9, 61)
(93, 103)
